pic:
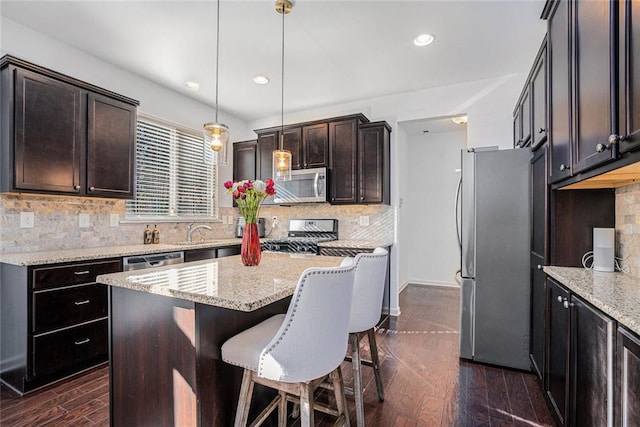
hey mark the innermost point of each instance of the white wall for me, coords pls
(429, 245)
(155, 100)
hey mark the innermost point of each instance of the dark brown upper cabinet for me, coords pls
(315, 146)
(63, 136)
(373, 163)
(292, 141)
(559, 55)
(593, 34)
(343, 152)
(538, 90)
(267, 143)
(245, 160)
(629, 77)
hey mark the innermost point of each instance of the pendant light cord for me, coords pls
(282, 89)
(217, 54)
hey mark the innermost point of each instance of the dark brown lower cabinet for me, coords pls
(538, 287)
(580, 349)
(628, 379)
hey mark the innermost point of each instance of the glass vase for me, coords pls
(250, 250)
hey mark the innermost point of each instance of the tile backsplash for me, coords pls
(57, 224)
(628, 227)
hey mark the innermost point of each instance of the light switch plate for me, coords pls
(114, 220)
(27, 220)
(364, 220)
(83, 220)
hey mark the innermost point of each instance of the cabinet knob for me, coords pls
(361, 197)
(76, 187)
(614, 139)
(539, 267)
(542, 130)
(601, 147)
(563, 167)
(567, 304)
(92, 188)
(559, 298)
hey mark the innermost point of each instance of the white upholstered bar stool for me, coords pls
(368, 292)
(294, 352)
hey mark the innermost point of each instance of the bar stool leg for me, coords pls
(373, 347)
(282, 409)
(341, 398)
(244, 402)
(357, 377)
(306, 405)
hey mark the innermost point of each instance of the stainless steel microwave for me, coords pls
(306, 186)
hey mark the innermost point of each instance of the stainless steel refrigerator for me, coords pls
(493, 214)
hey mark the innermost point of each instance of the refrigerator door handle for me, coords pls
(456, 211)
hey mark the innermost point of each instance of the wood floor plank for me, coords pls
(426, 384)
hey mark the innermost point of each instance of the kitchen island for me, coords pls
(166, 328)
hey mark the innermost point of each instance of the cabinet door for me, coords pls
(244, 160)
(267, 143)
(559, 94)
(48, 134)
(593, 88)
(373, 170)
(517, 127)
(629, 75)
(557, 348)
(343, 145)
(628, 379)
(111, 136)
(526, 119)
(591, 365)
(292, 141)
(538, 91)
(539, 203)
(315, 146)
(537, 314)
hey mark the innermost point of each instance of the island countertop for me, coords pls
(224, 282)
(616, 294)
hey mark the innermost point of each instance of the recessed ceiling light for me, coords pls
(423, 40)
(261, 80)
(192, 85)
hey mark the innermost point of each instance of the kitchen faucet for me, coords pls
(191, 229)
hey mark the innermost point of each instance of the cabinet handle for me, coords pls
(542, 130)
(563, 167)
(92, 188)
(614, 139)
(567, 304)
(82, 302)
(84, 341)
(80, 273)
(539, 267)
(559, 298)
(76, 187)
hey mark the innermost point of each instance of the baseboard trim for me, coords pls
(435, 283)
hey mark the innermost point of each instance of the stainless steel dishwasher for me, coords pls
(139, 262)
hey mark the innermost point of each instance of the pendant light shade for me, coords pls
(216, 135)
(282, 157)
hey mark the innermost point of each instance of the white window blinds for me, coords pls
(172, 180)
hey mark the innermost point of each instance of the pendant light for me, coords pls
(216, 135)
(282, 157)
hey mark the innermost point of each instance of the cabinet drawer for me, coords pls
(52, 277)
(68, 306)
(66, 348)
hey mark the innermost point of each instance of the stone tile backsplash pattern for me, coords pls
(628, 219)
(57, 223)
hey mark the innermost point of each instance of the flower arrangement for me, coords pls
(249, 195)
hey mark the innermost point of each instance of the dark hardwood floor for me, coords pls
(426, 384)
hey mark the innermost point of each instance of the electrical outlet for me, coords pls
(114, 220)
(274, 221)
(27, 220)
(364, 220)
(83, 220)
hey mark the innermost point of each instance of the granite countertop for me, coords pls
(616, 294)
(355, 244)
(224, 282)
(83, 254)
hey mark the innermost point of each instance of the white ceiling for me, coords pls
(336, 51)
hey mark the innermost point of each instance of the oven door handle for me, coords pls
(316, 181)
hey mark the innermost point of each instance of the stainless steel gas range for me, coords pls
(303, 236)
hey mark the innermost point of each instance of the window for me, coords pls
(173, 182)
